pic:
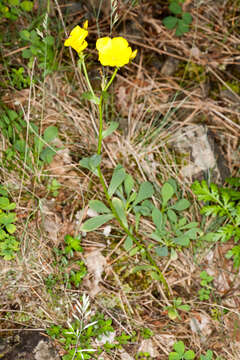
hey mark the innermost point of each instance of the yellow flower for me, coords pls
(77, 38)
(114, 52)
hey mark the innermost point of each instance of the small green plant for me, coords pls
(53, 186)
(12, 9)
(38, 150)
(173, 310)
(223, 204)
(41, 46)
(205, 291)
(180, 353)
(180, 21)
(18, 80)
(207, 356)
(8, 243)
(70, 271)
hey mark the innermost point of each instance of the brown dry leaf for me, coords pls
(51, 222)
(96, 264)
(201, 324)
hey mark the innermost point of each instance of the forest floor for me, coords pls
(95, 294)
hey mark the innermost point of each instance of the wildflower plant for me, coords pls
(121, 195)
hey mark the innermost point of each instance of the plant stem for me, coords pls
(86, 77)
(101, 178)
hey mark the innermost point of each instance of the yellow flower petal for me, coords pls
(77, 38)
(85, 25)
(114, 52)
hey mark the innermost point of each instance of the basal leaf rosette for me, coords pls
(77, 38)
(114, 52)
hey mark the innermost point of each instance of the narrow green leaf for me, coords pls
(146, 191)
(117, 179)
(99, 206)
(96, 222)
(142, 267)
(184, 307)
(112, 127)
(167, 192)
(50, 133)
(155, 276)
(172, 216)
(157, 218)
(128, 243)
(128, 184)
(120, 209)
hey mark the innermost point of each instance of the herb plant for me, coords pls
(173, 310)
(204, 292)
(8, 243)
(180, 353)
(179, 21)
(222, 203)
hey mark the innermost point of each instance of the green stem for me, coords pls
(86, 77)
(101, 178)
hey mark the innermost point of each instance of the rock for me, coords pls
(31, 345)
(205, 155)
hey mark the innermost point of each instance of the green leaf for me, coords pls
(91, 97)
(47, 155)
(179, 347)
(182, 204)
(24, 35)
(112, 127)
(145, 191)
(182, 28)
(155, 276)
(170, 22)
(172, 216)
(161, 250)
(157, 218)
(184, 307)
(189, 355)
(181, 240)
(128, 185)
(13, 2)
(96, 222)
(187, 18)
(175, 8)
(50, 133)
(26, 5)
(11, 228)
(174, 356)
(173, 314)
(128, 243)
(167, 192)
(4, 203)
(118, 177)
(26, 54)
(99, 206)
(91, 163)
(120, 210)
